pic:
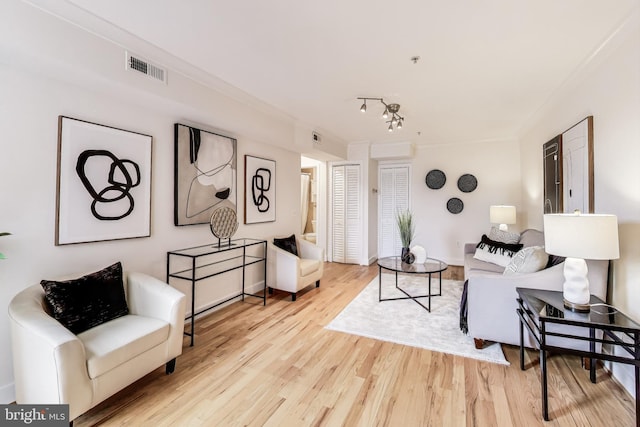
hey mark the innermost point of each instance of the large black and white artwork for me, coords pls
(259, 190)
(205, 174)
(104, 183)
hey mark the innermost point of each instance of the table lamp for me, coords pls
(503, 215)
(578, 237)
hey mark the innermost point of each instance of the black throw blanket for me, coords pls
(464, 327)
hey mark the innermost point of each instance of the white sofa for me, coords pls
(291, 273)
(491, 296)
(52, 365)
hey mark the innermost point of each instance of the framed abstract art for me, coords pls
(204, 174)
(259, 190)
(103, 183)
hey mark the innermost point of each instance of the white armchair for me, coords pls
(53, 365)
(291, 273)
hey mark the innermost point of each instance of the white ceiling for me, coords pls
(485, 68)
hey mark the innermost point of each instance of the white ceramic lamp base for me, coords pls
(576, 285)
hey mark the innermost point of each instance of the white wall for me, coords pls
(609, 89)
(50, 68)
(496, 166)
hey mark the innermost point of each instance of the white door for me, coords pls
(346, 214)
(394, 198)
(575, 168)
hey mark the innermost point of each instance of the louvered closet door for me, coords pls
(346, 215)
(394, 198)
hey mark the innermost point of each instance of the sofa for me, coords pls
(491, 295)
(54, 365)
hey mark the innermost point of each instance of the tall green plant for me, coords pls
(3, 234)
(406, 227)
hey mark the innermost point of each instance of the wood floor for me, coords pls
(278, 366)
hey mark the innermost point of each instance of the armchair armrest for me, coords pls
(148, 296)
(49, 360)
(283, 268)
(309, 250)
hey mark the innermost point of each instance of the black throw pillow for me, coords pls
(511, 247)
(287, 243)
(83, 303)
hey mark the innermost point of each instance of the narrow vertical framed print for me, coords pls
(259, 190)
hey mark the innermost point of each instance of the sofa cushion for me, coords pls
(83, 303)
(504, 236)
(287, 243)
(531, 237)
(308, 266)
(528, 260)
(472, 265)
(113, 343)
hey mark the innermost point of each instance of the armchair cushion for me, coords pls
(287, 243)
(88, 301)
(110, 345)
(308, 266)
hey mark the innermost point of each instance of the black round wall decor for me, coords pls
(467, 183)
(455, 205)
(435, 179)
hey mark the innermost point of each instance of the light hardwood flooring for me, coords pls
(277, 366)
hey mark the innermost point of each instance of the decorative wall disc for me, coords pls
(224, 222)
(467, 183)
(435, 179)
(455, 205)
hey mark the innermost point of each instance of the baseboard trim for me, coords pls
(7, 393)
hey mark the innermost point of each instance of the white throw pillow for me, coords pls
(528, 260)
(498, 256)
(504, 236)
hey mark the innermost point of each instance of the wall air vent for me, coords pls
(140, 65)
(317, 139)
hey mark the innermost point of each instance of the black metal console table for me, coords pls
(214, 259)
(539, 309)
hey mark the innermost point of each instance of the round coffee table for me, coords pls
(429, 267)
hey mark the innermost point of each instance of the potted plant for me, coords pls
(3, 234)
(406, 229)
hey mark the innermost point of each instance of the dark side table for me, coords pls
(539, 309)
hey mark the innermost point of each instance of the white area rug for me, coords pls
(405, 322)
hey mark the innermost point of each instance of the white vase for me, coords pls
(420, 253)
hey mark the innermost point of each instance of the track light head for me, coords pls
(386, 113)
(390, 128)
(399, 125)
(364, 106)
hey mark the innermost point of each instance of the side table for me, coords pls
(538, 309)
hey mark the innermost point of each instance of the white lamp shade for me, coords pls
(502, 214)
(586, 236)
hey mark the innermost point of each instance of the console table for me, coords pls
(429, 267)
(538, 309)
(214, 259)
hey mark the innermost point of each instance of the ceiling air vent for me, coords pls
(138, 64)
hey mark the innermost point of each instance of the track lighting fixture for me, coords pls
(389, 110)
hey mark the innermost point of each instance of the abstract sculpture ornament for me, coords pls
(223, 223)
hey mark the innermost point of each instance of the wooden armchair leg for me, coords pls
(293, 296)
(479, 343)
(317, 283)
